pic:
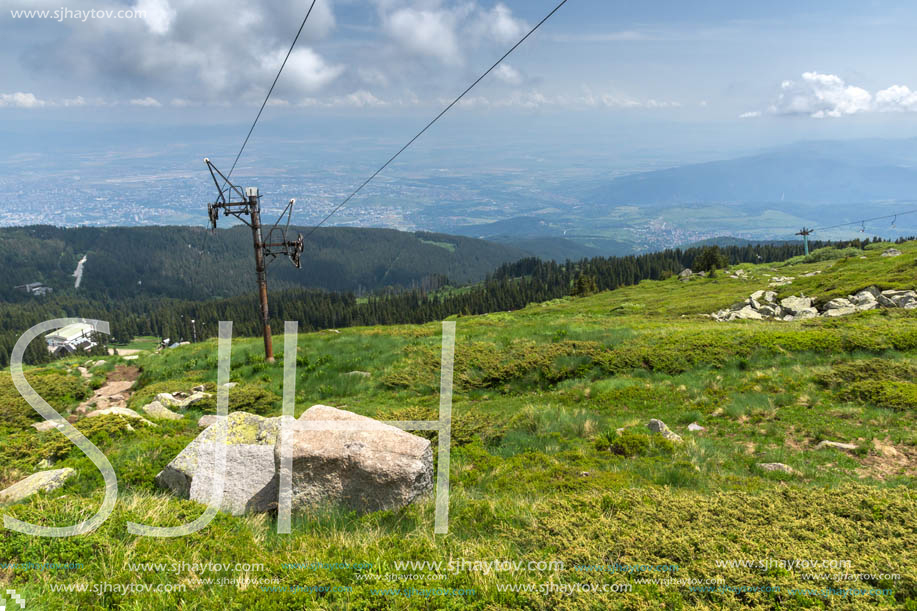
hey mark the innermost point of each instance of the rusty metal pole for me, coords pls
(255, 207)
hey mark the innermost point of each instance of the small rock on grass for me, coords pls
(835, 444)
(776, 466)
(42, 481)
(658, 426)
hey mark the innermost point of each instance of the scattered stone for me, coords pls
(230, 384)
(361, 463)
(44, 464)
(84, 372)
(776, 466)
(899, 299)
(168, 399)
(201, 388)
(835, 444)
(249, 483)
(658, 426)
(695, 427)
(891, 252)
(160, 411)
(359, 374)
(194, 398)
(45, 425)
(685, 274)
(44, 481)
(584, 474)
(119, 411)
(762, 305)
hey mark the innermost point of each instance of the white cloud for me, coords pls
(147, 101)
(897, 98)
(753, 114)
(508, 74)
(77, 101)
(305, 71)
(821, 95)
(158, 15)
(827, 95)
(500, 25)
(427, 32)
(20, 100)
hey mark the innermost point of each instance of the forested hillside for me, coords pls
(192, 263)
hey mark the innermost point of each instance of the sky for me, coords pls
(725, 74)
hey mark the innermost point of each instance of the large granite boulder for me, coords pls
(43, 481)
(249, 483)
(361, 463)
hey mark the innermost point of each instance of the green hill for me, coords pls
(192, 263)
(552, 463)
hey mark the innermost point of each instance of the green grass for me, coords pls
(538, 470)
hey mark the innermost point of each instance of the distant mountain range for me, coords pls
(813, 173)
(762, 197)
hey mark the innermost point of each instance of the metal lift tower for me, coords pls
(246, 206)
(805, 232)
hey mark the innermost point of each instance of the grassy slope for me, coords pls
(538, 393)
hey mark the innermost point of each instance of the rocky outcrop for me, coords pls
(891, 252)
(659, 427)
(43, 481)
(763, 305)
(361, 463)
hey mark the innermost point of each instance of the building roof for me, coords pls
(70, 332)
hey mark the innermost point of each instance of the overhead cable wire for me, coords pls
(864, 221)
(435, 119)
(271, 90)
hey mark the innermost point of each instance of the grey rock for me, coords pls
(359, 374)
(168, 399)
(838, 304)
(794, 305)
(685, 273)
(747, 313)
(695, 427)
(835, 444)
(45, 425)
(160, 411)
(362, 464)
(804, 314)
(200, 388)
(43, 481)
(119, 411)
(891, 252)
(249, 482)
(835, 312)
(658, 426)
(776, 466)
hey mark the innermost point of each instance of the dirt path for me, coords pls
(114, 393)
